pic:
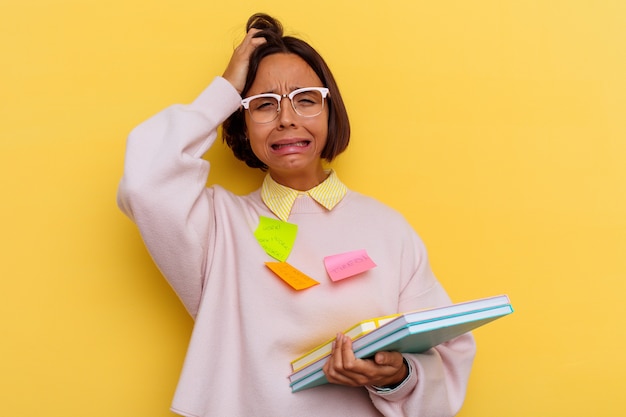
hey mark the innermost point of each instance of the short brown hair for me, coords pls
(234, 128)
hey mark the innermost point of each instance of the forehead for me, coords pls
(282, 73)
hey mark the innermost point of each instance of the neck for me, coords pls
(301, 181)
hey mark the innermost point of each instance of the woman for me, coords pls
(212, 247)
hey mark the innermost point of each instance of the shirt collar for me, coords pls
(279, 199)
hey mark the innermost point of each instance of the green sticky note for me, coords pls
(276, 237)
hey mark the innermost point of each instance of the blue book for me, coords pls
(413, 332)
(404, 320)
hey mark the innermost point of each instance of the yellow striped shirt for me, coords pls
(279, 199)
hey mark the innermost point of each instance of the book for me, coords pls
(413, 332)
(414, 317)
(353, 333)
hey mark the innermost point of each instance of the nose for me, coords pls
(287, 114)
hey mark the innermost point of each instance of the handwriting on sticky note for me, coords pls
(296, 279)
(276, 237)
(348, 264)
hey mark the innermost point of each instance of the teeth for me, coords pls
(300, 144)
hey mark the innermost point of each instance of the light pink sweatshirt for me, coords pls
(249, 325)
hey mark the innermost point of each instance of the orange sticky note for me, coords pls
(296, 279)
(348, 264)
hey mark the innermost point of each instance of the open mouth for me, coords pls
(299, 144)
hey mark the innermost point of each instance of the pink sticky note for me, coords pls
(348, 264)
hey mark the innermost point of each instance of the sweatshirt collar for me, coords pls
(279, 199)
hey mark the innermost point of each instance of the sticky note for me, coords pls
(348, 264)
(296, 279)
(276, 237)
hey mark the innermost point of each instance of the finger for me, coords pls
(334, 367)
(338, 351)
(249, 44)
(386, 358)
(343, 367)
(252, 38)
(329, 365)
(347, 353)
(252, 32)
(391, 367)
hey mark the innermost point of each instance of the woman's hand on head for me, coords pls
(342, 367)
(237, 68)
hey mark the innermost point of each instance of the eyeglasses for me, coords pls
(307, 102)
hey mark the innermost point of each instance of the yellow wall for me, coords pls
(500, 123)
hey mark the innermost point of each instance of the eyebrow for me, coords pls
(274, 91)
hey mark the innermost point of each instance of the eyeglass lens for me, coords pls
(306, 103)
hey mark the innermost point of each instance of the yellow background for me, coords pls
(498, 127)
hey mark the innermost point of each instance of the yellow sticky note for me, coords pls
(276, 237)
(296, 279)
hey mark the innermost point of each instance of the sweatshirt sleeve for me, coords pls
(438, 378)
(163, 187)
